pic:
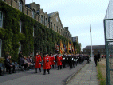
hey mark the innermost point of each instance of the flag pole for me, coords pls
(91, 40)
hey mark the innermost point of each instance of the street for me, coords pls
(56, 77)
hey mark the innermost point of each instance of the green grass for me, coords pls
(102, 80)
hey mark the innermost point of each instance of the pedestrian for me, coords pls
(8, 65)
(70, 61)
(38, 61)
(52, 60)
(59, 61)
(19, 57)
(46, 64)
(13, 65)
(64, 60)
(98, 56)
(95, 59)
(49, 56)
(73, 60)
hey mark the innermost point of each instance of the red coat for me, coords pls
(59, 62)
(46, 62)
(52, 60)
(37, 61)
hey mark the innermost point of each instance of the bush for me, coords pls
(1, 60)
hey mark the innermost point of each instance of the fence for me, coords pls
(108, 31)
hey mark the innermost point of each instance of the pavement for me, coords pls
(86, 76)
(56, 77)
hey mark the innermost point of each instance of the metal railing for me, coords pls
(108, 32)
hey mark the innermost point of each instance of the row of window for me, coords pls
(45, 20)
(1, 22)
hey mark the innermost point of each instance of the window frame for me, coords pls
(1, 48)
(33, 14)
(54, 27)
(1, 19)
(41, 19)
(20, 5)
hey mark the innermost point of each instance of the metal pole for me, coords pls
(107, 57)
(91, 40)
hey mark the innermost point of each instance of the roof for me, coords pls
(51, 14)
(95, 47)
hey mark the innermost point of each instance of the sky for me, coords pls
(78, 15)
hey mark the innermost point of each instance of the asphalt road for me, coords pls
(56, 77)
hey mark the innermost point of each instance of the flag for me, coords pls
(90, 27)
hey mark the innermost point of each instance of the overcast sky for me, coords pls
(78, 15)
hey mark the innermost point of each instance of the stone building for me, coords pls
(33, 10)
(55, 22)
(38, 14)
(66, 33)
(95, 49)
(75, 39)
(51, 20)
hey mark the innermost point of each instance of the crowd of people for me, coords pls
(56, 61)
(44, 61)
(25, 62)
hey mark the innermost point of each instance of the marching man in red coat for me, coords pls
(52, 60)
(59, 61)
(38, 61)
(46, 64)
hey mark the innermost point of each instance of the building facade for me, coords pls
(55, 22)
(95, 49)
(34, 11)
(75, 39)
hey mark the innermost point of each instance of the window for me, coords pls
(59, 30)
(41, 19)
(33, 32)
(20, 26)
(33, 14)
(1, 19)
(51, 24)
(20, 5)
(46, 22)
(54, 27)
(0, 47)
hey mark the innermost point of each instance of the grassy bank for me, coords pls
(101, 68)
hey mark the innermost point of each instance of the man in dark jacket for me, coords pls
(70, 61)
(8, 65)
(98, 56)
(64, 61)
(20, 56)
(95, 59)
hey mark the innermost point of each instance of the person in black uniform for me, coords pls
(70, 61)
(64, 60)
(73, 60)
(98, 56)
(95, 59)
